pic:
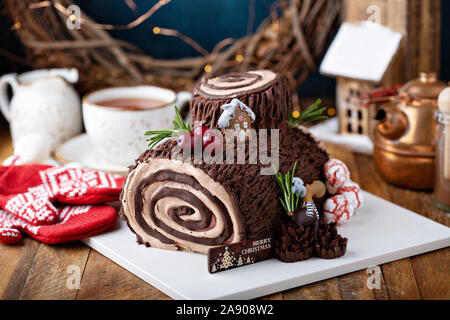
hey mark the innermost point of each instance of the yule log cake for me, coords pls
(177, 203)
(172, 204)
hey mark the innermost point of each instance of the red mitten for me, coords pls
(29, 192)
(75, 222)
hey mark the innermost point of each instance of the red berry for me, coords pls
(200, 131)
(212, 142)
(217, 143)
(185, 141)
(208, 137)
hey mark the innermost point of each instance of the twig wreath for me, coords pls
(290, 41)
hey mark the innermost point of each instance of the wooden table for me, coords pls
(32, 270)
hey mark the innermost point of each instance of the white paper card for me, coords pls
(361, 51)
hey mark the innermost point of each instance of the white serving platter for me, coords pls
(380, 232)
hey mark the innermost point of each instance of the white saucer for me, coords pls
(329, 131)
(80, 151)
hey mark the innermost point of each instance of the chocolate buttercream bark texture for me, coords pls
(293, 243)
(263, 91)
(329, 243)
(253, 211)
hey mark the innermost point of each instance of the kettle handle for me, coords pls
(11, 80)
(380, 95)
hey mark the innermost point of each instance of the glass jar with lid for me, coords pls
(442, 170)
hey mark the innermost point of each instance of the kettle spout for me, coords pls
(70, 75)
(392, 123)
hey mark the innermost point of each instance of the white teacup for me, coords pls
(117, 133)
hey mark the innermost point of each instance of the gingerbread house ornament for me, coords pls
(237, 116)
(359, 57)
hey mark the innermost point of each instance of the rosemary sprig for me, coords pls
(289, 200)
(312, 113)
(179, 127)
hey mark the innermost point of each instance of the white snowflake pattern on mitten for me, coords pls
(58, 183)
(33, 206)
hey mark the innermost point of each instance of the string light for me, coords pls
(331, 112)
(239, 57)
(16, 26)
(131, 25)
(207, 68)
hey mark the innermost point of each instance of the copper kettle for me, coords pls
(405, 133)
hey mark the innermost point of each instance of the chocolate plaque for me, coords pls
(239, 254)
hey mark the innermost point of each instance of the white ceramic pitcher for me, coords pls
(43, 103)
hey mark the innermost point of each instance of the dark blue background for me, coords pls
(206, 21)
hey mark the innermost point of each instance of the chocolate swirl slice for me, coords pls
(171, 204)
(237, 83)
(264, 91)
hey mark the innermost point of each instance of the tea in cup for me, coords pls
(116, 119)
